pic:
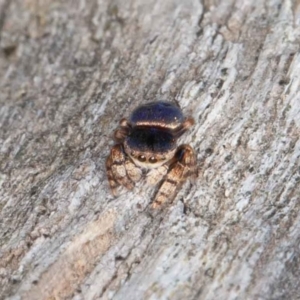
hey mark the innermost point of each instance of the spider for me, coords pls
(147, 140)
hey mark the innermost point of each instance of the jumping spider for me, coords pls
(147, 140)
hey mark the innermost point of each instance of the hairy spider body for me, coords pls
(147, 140)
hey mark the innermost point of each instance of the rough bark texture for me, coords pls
(69, 70)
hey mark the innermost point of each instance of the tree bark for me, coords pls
(70, 70)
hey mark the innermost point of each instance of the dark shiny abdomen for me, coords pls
(164, 114)
(153, 140)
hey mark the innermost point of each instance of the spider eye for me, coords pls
(142, 158)
(153, 160)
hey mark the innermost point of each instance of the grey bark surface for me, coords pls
(70, 70)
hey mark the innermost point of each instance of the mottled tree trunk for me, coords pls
(70, 70)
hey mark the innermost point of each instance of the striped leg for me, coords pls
(183, 166)
(116, 169)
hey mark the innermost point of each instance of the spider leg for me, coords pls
(122, 131)
(116, 169)
(183, 166)
(189, 122)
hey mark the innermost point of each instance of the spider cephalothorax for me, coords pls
(147, 140)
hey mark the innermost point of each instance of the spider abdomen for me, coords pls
(160, 114)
